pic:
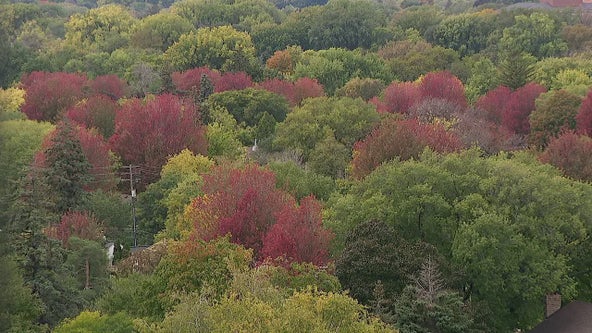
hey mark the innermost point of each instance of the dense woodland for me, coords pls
(296, 165)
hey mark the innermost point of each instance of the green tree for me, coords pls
(159, 31)
(223, 48)
(306, 126)
(93, 321)
(555, 111)
(19, 141)
(537, 34)
(516, 70)
(67, 168)
(102, 29)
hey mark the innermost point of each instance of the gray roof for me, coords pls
(575, 317)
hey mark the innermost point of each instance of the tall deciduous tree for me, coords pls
(555, 111)
(443, 85)
(48, 95)
(515, 116)
(572, 154)
(298, 234)
(146, 133)
(584, 117)
(400, 139)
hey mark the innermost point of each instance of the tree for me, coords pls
(109, 85)
(94, 321)
(300, 182)
(346, 24)
(160, 31)
(466, 33)
(537, 34)
(555, 111)
(19, 141)
(190, 80)
(348, 119)
(50, 94)
(571, 153)
(515, 115)
(494, 103)
(509, 266)
(399, 97)
(400, 139)
(584, 116)
(427, 306)
(294, 92)
(516, 70)
(408, 59)
(66, 168)
(101, 171)
(249, 105)
(242, 202)
(363, 88)
(443, 85)
(20, 308)
(80, 224)
(95, 112)
(106, 29)
(374, 253)
(223, 48)
(141, 126)
(233, 81)
(299, 235)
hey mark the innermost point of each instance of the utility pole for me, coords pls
(133, 193)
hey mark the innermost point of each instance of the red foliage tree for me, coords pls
(242, 202)
(584, 117)
(294, 92)
(572, 154)
(97, 153)
(233, 81)
(280, 87)
(405, 139)
(494, 103)
(147, 132)
(79, 224)
(399, 97)
(305, 88)
(520, 106)
(109, 85)
(96, 112)
(443, 85)
(48, 95)
(189, 80)
(299, 235)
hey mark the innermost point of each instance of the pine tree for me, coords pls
(516, 70)
(67, 168)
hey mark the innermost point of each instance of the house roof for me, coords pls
(576, 317)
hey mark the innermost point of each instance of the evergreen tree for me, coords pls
(67, 168)
(516, 70)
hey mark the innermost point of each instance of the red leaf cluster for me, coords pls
(95, 112)
(246, 204)
(48, 95)
(584, 117)
(572, 154)
(233, 81)
(294, 92)
(400, 138)
(511, 108)
(148, 132)
(109, 85)
(299, 235)
(443, 85)
(399, 97)
(189, 81)
(74, 223)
